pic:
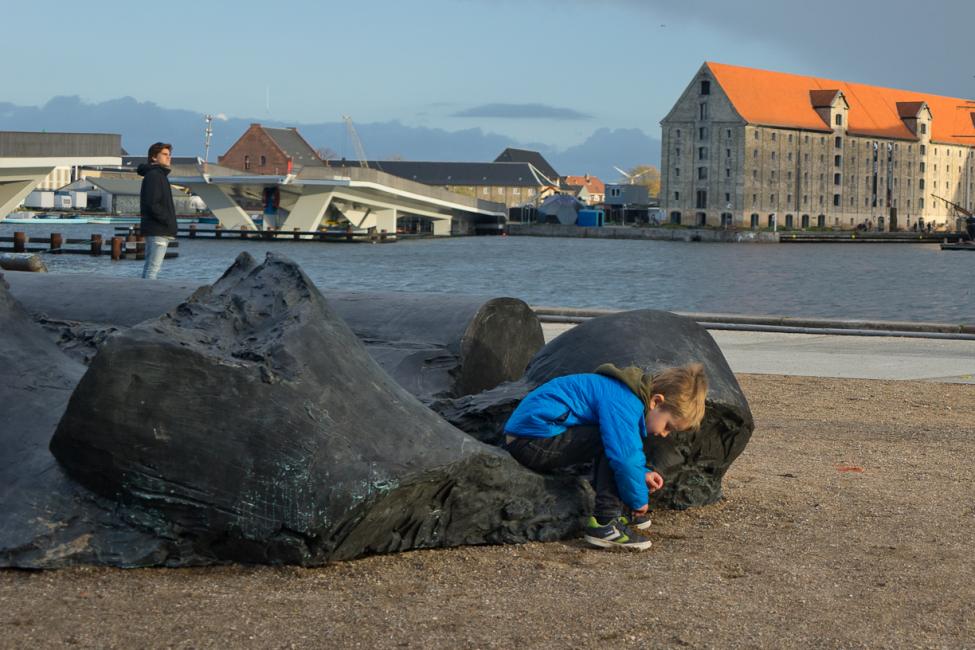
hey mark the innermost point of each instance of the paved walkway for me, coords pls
(862, 357)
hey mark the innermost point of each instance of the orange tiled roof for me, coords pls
(591, 183)
(781, 99)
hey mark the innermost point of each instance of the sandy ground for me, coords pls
(849, 521)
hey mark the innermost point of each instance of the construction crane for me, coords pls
(969, 215)
(356, 142)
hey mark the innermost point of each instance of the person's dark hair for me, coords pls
(154, 149)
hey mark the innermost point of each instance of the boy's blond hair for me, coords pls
(684, 389)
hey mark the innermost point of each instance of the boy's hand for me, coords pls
(654, 481)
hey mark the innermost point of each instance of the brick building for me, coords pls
(266, 150)
(750, 148)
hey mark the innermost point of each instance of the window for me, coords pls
(806, 140)
(702, 133)
(924, 128)
(755, 153)
(702, 199)
(727, 172)
(677, 172)
(805, 199)
(247, 162)
(837, 161)
(727, 133)
(727, 153)
(839, 119)
(702, 173)
(789, 157)
(754, 220)
(773, 155)
(755, 174)
(727, 197)
(677, 152)
(704, 111)
(771, 198)
(921, 184)
(702, 153)
(839, 142)
(677, 196)
(790, 137)
(789, 176)
(678, 134)
(705, 87)
(836, 200)
(924, 150)
(788, 198)
(773, 136)
(756, 134)
(772, 177)
(922, 165)
(920, 204)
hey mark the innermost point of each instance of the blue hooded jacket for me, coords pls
(591, 399)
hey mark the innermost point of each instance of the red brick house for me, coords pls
(266, 150)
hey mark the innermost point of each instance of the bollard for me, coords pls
(297, 234)
(192, 230)
(216, 231)
(382, 235)
(348, 233)
(96, 244)
(116, 248)
(20, 242)
(243, 232)
(56, 243)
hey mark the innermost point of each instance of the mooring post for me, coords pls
(116, 248)
(348, 233)
(20, 242)
(217, 231)
(297, 234)
(382, 235)
(56, 242)
(192, 230)
(96, 244)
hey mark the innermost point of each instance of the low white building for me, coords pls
(121, 195)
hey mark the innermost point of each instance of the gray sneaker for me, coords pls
(615, 534)
(640, 522)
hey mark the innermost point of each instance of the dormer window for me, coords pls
(924, 128)
(705, 87)
(839, 119)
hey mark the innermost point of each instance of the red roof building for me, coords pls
(754, 148)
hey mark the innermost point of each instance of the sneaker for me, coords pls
(640, 522)
(614, 535)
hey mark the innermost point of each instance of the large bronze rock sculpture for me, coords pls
(251, 424)
(434, 345)
(693, 464)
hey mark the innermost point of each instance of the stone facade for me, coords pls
(717, 168)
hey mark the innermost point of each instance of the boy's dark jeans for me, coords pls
(577, 445)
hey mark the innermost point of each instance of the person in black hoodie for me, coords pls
(156, 206)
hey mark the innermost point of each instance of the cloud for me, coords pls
(522, 112)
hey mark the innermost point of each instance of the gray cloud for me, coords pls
(522, 111)
(897, 43)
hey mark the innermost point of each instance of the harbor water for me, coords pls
(917, 282)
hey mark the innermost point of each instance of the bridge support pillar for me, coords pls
(224, 208)
(381, 219)
(441, 227)
(16, 184)
(308, 211)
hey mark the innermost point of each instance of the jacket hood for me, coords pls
(144, 168)
(638, 381)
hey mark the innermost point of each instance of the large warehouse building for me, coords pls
(752, 148)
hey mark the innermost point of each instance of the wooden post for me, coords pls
(20, 242)
(382, 235)
(192, 230)
(96, 244)
(116, 248)
(140, 246)
(56, 243)
(216, 231)
(348, 233)
(297, 234)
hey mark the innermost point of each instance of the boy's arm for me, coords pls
(624, 450)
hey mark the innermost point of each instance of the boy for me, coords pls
(605, 417)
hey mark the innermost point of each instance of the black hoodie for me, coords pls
(156, 202)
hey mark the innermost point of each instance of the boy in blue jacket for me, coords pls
(605, 417)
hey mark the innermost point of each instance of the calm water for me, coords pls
(890, 282)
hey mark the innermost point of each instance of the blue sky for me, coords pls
(535, 70)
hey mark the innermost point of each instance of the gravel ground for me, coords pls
(848, 522)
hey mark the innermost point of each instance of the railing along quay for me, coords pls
(130, 247)
(786, 324)
(271, 234)
(868, 237)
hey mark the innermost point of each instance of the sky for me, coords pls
(550, 71)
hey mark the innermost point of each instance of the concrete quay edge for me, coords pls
(781, 323)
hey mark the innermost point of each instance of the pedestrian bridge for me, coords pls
(362, 197)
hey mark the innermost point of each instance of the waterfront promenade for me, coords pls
(853, 357)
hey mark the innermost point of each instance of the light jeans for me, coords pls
(155, 254)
